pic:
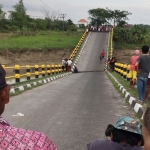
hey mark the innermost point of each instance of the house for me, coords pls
(82, 21)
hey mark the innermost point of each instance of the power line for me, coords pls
(49, 7)
(55, 11)
(63, 17)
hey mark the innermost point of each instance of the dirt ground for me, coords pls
(30, 57)
(123, 56)
(39, 57)
(33, 57)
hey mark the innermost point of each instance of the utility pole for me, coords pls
(63, 17)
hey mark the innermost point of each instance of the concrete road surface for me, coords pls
(73, 110)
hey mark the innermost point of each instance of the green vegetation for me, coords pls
(19, 21)
(117, 88)
(125, 83)
(102, 16)
(131, 38)
(45, 40)
(125, 46)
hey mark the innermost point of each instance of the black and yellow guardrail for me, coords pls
(111, 43)
(72, 56)
(123, 70)
(37, 70)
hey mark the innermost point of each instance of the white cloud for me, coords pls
(77, 9)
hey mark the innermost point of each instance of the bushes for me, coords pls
(138, 34)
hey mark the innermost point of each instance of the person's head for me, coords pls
(136, 52)
(126, 131)
(145, 49)
(146, 129)
(4, 90)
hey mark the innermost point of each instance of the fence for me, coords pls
(123, 70)
(24, 73)
(111, 43)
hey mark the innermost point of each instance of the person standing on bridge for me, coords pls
(125, 135)
(132, 73)
(142, 67)
(12, 138)
(69, 64)
(102, 55)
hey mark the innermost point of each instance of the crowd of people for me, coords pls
(99, 28)
(66, 64)
(111, 63)
(140, 73)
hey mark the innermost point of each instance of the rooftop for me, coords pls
(82, 20)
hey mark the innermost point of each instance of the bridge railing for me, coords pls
(18, 73)
(123, 70)
(111, 43)
(77, 48)
(31, 72)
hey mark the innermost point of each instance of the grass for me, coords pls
(124, 46)
(53, 40)
(125, 83)
(115, 84)
(122, 95)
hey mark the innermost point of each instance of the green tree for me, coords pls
(70, 22)
(18, 17)
(2, 18)
(99, 16)
(121, 23)
(118, 16)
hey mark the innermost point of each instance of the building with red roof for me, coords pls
(83, 21)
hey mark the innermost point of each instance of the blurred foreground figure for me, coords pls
(12, 138)
(125, 135)
(146, 128)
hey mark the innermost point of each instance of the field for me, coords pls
(44, 41)
(41, 48)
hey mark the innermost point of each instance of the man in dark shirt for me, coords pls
(125, 135)
(142, 67)
(146, 128)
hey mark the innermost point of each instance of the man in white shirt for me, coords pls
(69, 65)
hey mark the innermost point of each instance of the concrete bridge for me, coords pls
(74, 110)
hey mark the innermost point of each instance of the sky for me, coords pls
(78, 9)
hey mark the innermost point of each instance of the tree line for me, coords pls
(101, 16)
(123, 33)
(19, 20)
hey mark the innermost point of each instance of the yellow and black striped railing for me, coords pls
(123, 70)
(28, 71)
